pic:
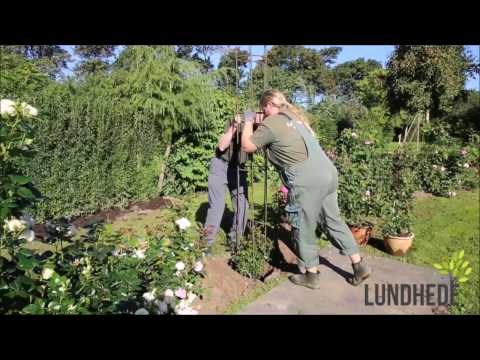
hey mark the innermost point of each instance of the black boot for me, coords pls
(361, 272)
(310, 280)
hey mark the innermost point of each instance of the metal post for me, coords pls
(252, 222)
(265, 187)
(237, 237)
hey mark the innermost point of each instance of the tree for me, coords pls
(372, 89)
(50, 59)
(349, 73)
(19, 77)
(233, 63)
(427, 78)
(172, 92)
(310, 67)
(94, 58)
(302, 73)
(465, 115)
(199, 53)
(184, 51)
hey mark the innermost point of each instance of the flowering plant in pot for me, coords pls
(397, 232)
(356, 190)
(396, 207)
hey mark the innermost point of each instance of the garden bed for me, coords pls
(110, 215)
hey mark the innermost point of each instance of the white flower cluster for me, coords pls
(139, 254)
(12, 108)
(23, 225)
(184, 307)
(183, 223)
(161, 307)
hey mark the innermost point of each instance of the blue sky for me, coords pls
(352, 52)
(380, 53)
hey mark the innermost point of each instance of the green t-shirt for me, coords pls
(285, 146)
(230, 154)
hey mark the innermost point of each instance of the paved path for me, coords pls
(336, 296)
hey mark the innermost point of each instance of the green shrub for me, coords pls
(252, 257)
(188, 164)
(397, 200)
(357, 189)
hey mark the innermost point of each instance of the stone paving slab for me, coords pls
(336, 296)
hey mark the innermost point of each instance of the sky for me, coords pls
(380, 53)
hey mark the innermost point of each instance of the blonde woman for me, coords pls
(311, 180)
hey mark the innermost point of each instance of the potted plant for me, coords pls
(397, 233)
(357, 201)
(358, 216)
(396, 205)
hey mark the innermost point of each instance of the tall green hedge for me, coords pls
(93, 151)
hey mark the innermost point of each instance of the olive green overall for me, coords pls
(312, 200)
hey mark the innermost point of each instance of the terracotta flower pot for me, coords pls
(398, 245)
(361, 234)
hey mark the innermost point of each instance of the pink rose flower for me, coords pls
(181, 293)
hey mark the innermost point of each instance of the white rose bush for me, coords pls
(17, 193)
(107, 272)
(121, 273)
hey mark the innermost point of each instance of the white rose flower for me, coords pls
(354, 135)
(7, 107)
(185, 310)
(86, 270)
(198, 266)
(140, 254)
(15, 225)
(47, 273)
(141, 311)
(149, 296)
(180, 266)
(28, 110)
(72, 230)
(28, 235)
(435, 166)
(466, 165)
(183, 223)
(191, 297)
(442, 169)
(182, 308)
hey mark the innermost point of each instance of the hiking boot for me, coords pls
(361, 272)
(310, 280)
